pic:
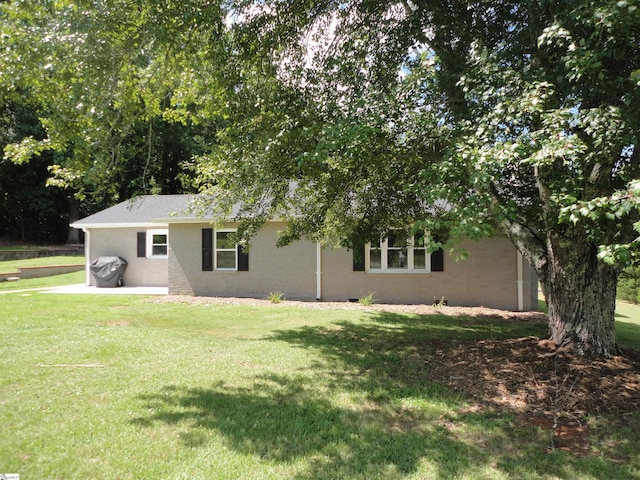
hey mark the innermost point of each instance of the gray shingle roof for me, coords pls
(141, 210)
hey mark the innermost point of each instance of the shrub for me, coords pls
(443, 302)
(367, 299)
(275, 297)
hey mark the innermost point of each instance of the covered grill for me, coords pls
(108, 271)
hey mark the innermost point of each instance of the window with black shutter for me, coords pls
(358, 258)
(437, 261)
(221, 252)
(396, 254)
(142, 244)
(207, 249)
(243, 259)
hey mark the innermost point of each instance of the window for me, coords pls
(419, 245)
(398, 254)
(157, 243)
(221, 252)
(226, 251)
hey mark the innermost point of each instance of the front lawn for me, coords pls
(124, 387)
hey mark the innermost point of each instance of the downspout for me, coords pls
(87, 256)
(520, 282)
(318, 271)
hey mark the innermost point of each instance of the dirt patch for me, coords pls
(116, 323)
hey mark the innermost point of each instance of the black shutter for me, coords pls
(358, 258)
(243, 259)
(142, 244)
(437, 257)
(207, 249)
(437, 261)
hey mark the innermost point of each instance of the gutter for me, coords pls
(318, 272)
(87, 256)
(151, 224)
(520, 281)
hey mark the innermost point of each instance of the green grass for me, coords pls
(122, 387)
(44, 282)
(13, 265)
(628, 325)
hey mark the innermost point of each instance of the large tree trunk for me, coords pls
(580, 289)
(581, 294)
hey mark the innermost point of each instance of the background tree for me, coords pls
(29, 210)
(117, 91)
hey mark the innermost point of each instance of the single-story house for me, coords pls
(167, 245)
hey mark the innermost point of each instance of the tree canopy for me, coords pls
(116, 89)
(465, 118)
(462, 117)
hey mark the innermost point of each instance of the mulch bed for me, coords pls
(542, 385)
(530, 375)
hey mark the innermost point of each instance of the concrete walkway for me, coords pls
(81, 288)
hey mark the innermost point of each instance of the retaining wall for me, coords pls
(39, 272)
(37, 253)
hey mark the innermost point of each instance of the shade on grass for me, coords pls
(126, 387)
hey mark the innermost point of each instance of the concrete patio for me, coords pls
(81, 288)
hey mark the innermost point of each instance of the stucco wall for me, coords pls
(122, 242)
(290, 270)
(488, 276)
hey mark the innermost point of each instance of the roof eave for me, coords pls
(150, 224)
(174, 220)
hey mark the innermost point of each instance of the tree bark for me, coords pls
(579, 288)
(581, 292)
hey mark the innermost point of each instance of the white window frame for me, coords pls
(384, 251)
(150, 244)
(216, 250)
